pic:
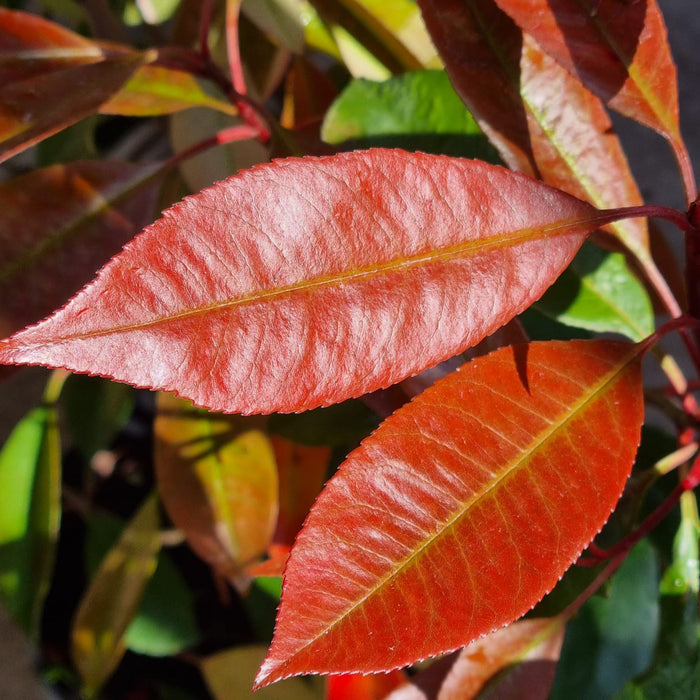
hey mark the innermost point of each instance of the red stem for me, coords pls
(204, 26)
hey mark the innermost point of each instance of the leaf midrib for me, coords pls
(466, 249)
(538, 442)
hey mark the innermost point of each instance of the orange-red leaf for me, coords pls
(356, 686)
(308, 281)
(462, 510)
(51, 78)
(541, 119)
(618, 50)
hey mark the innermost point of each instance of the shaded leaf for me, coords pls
(51, 78)
(283, 287)
(418, 111)
(618, 49)
(113, 597)
(308, 94)
(229, 674)
(156, 90)
(261, 604)
(165, 622)
(599, 292)
(82, 214)
(398, 557)
(525, 653)
(30, 481)
(612, 639)
(281, 19)
(218, 482)
(302, 473)
(340, 424)
(95, 409)
(542, 121)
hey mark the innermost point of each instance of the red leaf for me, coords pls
(462, 510)
(308, 281)
(617, 49)
(52, 78)
(542, 120)
(82, 215)
(355, 686)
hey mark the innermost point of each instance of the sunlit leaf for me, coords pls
(113, 597)
(502, 471)
(542, 120)
(411, 258)
(51, 78)
(218, 481)
(612, 638)
(599, 292)
(418, 111)
(517, 662)
(229, 674)
(82, 214)
(30, 481)
(618, 49)
(156, 90)
(164, 623)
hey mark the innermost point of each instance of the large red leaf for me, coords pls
(308, 281)
(618, 49)
(541, 119)
(82, 215)
(51, 78)
(462, 510)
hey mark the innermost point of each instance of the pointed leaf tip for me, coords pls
(438, 529)
(305, 282)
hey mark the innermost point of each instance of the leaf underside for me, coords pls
(462, 510)
(309, 281)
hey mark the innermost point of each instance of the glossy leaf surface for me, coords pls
(30, 481)
(499, 472)
(218, 481)
(51, 78)
(541, 119)
(599, 292)
(113, 597)
(156, 90)
(260, 290)
(82, 214)
(517, 662)
(419, 111)
(618, 49)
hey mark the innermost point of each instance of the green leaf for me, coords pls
(612, 639)
(682, 575)
(30, 481)
(261, 604)
(600, 293)
(154, 630)
(156, 90)
(95, 410)
(416, 111)
(340, 424)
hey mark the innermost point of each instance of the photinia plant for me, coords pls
(405, 273)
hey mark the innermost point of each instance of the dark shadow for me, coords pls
(592, 58)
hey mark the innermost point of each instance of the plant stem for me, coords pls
(685, 167)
